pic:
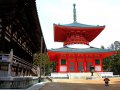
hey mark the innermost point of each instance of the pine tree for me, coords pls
(42, 61)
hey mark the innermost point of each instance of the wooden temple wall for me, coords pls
(21, 32)
(11, 65)
(15, 37)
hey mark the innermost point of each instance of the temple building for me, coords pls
(20, 38)
(69, 59)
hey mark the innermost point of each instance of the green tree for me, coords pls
(42, 61)
(112, 63)
(115, 63)
(107, 64)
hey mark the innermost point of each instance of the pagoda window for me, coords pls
(63, 62)
(97, 62)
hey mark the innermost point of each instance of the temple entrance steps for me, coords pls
(86, 75)
(59, 75)
(83, 75)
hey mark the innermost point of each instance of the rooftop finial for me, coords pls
(74, 12)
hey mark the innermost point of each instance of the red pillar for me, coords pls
(56, 67)
(67, 62)
(85, 66)
(75, 63)
(93, 60)
(59, 62)
(101, 64)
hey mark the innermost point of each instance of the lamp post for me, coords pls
(92, 70)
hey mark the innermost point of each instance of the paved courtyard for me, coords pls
(78, 84)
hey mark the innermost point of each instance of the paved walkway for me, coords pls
(75, 84)
(37, 86)
(81, 85)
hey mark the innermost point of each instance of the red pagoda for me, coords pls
(77, 59)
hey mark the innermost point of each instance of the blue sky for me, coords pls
(92, 12)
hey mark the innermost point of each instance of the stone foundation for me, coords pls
(17, 82)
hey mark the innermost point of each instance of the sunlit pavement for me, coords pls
(75, 84)
(37, 86)
(82, 85)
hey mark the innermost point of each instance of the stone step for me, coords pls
(74, 75)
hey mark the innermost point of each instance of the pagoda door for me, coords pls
(80, 67)
(89, 63)
(71, 66)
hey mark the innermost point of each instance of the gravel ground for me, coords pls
(78, 84)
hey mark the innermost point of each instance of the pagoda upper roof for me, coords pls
(76, 24)
(90, 31)
(62, 32)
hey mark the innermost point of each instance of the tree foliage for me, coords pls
(112, 63)
(115, 63)
(42, 60)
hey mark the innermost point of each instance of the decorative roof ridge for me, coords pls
(80, 48)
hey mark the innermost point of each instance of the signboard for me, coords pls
(97, 68)
(63, 68)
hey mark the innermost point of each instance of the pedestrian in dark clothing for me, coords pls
(106, 80)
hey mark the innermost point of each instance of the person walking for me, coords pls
(106, 80)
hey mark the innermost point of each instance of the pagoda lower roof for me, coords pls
(83, 50)
(55, 53)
